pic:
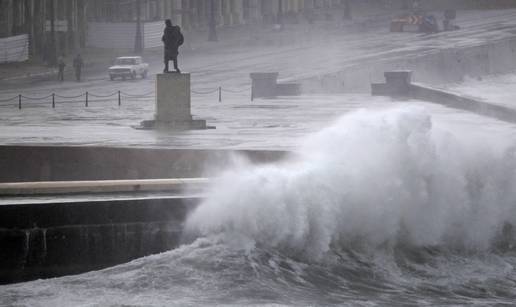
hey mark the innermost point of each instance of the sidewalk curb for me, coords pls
(49, 73)
(29, 76)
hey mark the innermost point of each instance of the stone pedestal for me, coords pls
(397, 83)
(398, 78)
(172, 97)
(173, 109)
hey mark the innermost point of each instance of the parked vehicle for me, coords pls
(128, 67)
(423, 23)
(407, 23)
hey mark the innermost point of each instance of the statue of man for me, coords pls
(172, 39)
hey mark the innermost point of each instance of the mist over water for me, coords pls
(382, 207)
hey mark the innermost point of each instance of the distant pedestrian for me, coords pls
(78, 63)
(449, 20)
(347, 10)
(61, 66)
(172, 39)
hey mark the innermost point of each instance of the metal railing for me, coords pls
(86, 97)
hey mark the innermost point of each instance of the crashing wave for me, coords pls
(372, 179)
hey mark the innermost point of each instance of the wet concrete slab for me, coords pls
(265, 124)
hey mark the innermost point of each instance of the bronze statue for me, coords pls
(172, 38)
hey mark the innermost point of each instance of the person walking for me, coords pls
(61, 66)
(172, 39)
(78, 63)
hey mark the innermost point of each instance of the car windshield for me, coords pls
(125, 61)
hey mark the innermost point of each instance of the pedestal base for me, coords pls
(194, 124)
(173, 105)
(173, 97)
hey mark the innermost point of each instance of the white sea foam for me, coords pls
(372, 178)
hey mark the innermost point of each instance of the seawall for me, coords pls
(39, 240)
(62, 163)
(431, 66)
(68, 230)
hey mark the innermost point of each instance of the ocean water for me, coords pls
(382, 208)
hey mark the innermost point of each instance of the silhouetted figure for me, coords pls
(78, 63)
(172, 39)
(61, 66)
(449, 20)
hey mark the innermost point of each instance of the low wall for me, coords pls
(58, 235)
(432, 67)
(399, 84)
(461, 102)
(63, 163)
(54, 239)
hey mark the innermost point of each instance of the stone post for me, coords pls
(264, 84)
(173, 107)
(399, 79)
(397, 83)
(173, 97)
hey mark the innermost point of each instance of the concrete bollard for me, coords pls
(288, 89)
(264, 84)
(397, 83)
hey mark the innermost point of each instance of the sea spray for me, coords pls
(371, 179)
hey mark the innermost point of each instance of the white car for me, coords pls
(128, 67)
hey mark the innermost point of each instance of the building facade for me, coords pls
(53, 27)
(113, 23)
(196, 13)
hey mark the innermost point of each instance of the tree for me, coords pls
(138, 43)
(52, 57)
(212, 37)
